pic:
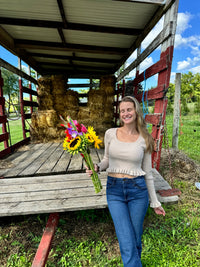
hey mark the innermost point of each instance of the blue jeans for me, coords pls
(128, 203)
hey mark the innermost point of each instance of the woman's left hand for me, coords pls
(159, 211)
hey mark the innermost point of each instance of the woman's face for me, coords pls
(127, 112)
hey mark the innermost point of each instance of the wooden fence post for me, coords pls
(176, 115)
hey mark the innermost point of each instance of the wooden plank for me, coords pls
(82, 188)
(154, 119)
(29, 91)
(38, 187)
(3, 119)
(55, 205)
(45, 243)
(62, 163)
(50, 163)
(159, 66)
(4, 137)
(76, 163)
(4, 153)
(25, 159)
(2, 99)
(35, 164)
(46, 179)
(160, 38)
(15, 70)
(47, 187)
(30, 103)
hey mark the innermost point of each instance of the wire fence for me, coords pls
(189, 134)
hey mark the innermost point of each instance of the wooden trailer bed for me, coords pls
(42, 178)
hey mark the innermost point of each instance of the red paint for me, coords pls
(42, 253)
(169, 192)
(3, 117)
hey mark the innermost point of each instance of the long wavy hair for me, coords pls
(141, 126)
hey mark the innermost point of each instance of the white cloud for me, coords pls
(195, 69)
(183, 22)
(183, 65)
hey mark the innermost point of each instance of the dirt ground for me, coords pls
(23, 233)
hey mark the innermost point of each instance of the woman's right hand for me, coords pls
(89, 172)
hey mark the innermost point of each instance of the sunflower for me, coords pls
(94, 137)
(89, 138)
(65, 142)
(97, 142)
(74, 144)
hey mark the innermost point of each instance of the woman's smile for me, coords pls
(127, 112)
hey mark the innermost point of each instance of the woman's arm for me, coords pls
(147, 167)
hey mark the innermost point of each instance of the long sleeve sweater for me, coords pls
(129, 158)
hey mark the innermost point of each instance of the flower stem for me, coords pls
(95, 178)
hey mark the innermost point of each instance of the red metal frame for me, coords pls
(4, 137)
(3, 120)
(163, 69)
(43, 250)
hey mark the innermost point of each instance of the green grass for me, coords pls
(88, 238)
(16, 134)
(189, 135)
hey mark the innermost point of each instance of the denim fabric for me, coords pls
(128, 203)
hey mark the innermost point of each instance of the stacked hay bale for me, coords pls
(99, 110)
(55, 100)
(44, 122)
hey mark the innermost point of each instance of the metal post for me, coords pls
(176, 115)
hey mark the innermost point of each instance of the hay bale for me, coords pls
(73, 113)
(71, 99)
(45, 102)
(59, 84)
(95, 96)
(51, 133)
(44, 86)
(60, 133)
(109, 99)
(41, 118)
(96, 114)
(107, 84)
(84, 112)
(51, 118)
(59, 102)
(34, 121)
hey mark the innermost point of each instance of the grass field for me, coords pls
(189, 135)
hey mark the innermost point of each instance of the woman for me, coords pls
(130, 184)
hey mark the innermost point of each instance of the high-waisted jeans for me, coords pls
(128, 203)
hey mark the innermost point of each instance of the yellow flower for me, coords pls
(97, 141)
(91, 131)
(89, 138)
(93, 136)
(74, 143)
(65, 143)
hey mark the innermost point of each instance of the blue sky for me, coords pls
(187, 42)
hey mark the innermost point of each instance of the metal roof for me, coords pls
(79, 38)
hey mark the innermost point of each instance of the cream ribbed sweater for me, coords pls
(129, 158)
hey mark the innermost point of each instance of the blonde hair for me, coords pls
(140, 123)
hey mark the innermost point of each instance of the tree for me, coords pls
(190, 91)
(10, 87)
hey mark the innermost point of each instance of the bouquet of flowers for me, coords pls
(78, 140)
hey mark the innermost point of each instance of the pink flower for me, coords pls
(83, 129)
